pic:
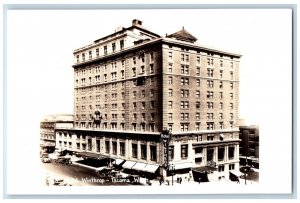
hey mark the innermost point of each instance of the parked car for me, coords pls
(46, 160)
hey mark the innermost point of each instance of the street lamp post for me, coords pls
(172, 169)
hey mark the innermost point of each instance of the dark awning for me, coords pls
(202, 169)
(92, 155)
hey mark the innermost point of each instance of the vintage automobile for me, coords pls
(46, 160)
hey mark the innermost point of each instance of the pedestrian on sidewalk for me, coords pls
(199, 180)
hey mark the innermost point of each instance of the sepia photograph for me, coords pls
(168, 101)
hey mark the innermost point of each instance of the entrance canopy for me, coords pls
(139, 166)
(92, 155)
(151, 168)
(119, 161)
(236, 173)
(203, 169)
(128, 164)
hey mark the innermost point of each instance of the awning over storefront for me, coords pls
(119, 161)
(183, 165)
(128, 164)
(139, 166)
(92, 155)
(203, 169)
(236, 173)
(151, 168)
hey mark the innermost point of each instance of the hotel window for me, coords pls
(134, 60)
(197, 71)
(152, 116)
(210, 94)
(151, 126)
(197, 127)
(134, 117)
(197, 93)
(143, 93)
(170, 80)
(210, 83)
(231, 166)
(221, 95)
(105, 50)
(184, 127)
(83, 147)
(151, 56)
(77, 58)
(83, 57)
(121, 44)
(221, 84)
(143, 151)
(153, 151)
(231, 95)
(221, 168)
(151, 104)
(230, 124)
(210, 62)
(210, 154)
(98, 145)
(170, 92)
(231, 152)
(151, 80)
(151, 93)
(221, 73)
(210, 116)
(231, 85)
(184, 151)
(210, 105)
(134, 150)
(77, 145)
(113, 126)
(170, 56)
(170, 116)
(231, 65)
(143, 105)
(142, 70)
(143, 127)
(170, 69)
(198, 59)
(185, 69)
(199, 150)
(197, 105)
(221, 63)
(133, 72)
(114, 145)
(134, 127)
(197, 82)
(231, 75)
(210, 73)
(143, 116)
(182, 57)
(134, 94)
(122, 74)
(220, 116)
(210, 137)
(151, 69)
(221, 125)
(170, 127)
(122, 126)
(231, 106)
(187, 58)
(210, 125)
(90, 54)
(134, 105)
(170, 104)
(107, 146)
(231, 116)
(197, 116)
(182, 116)
(171, 153)
(122, 148)
(221, 105)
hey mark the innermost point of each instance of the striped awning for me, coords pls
(128, 164)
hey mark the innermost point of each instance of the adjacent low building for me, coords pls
(155, 102)
(249, 145)
(48, 126)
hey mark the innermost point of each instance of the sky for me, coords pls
(40, 44)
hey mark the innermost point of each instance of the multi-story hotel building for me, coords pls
(132, 85)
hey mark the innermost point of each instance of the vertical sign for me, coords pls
(165, 138)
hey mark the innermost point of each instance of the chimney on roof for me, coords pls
(136, 22)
